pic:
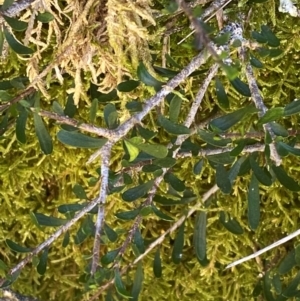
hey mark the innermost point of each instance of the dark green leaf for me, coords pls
(80, 140)
(259, 37)
(277, 283)
(284, 179)
(272, 40)
(256, 63)
(50, 221)
(110, 233)
(172, 128)
(45, 17)
(235, 169)
(165, 162)
(267, 287)
(15, 24)
(225, 122)
(157, 269)
(128, 85)
(200, 235)
(253, 203)
(177, 184)
(278, 129)
(128, 215)
(291, 290)
(230, 71)
(223, 158)
(239, 148)
(230, 224)
(1, 49)
(70, 109)
(174, 109)
(134, 106)
(290, 149)
(145, 133)
(110, 256)
(42, 266)
(145, 77)
(139, 241)
(222, 179)
(287, 263)
(178, 245)
(212, 139)
(42, 134)
(221, 94)
(263, 52)
(56, 107)
(146, 210)
(292, 108)
(275, 52)
(162, 215)
(16, 248)
(155, 150)
(112, 95)
(120, 286)
(297, 255)
(150, 168)
(93, 110)
(137, 192)
(261, 175)
(66, 239)
(257, 289)
(198, 167)
(15, 45)
(79, 191)
(21, 125)
(165, 72)
(137, 282)
(5, 96)
(272, 115)
(241, 87)
(3, 266)
(70, 208)
(111, 116)
(4, 124)
(222, 39)
(6, 4)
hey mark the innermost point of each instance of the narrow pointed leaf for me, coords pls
(120, 286)
(157, 269)
(272, 115)
(50, 221)
(278, 129)
(21, 125)
(162, 215)
(178, 245)
(174, 109)
(172, 128)
(145, 77)
(253, 203)
(42, 134)
(128, 215)
(42, 266)
(221, 94)
(226, 122)
(15, 24)
(15, 45)
(80, 140)
(137, 192)
(139, 241)
(241, 87)
(285, 179)
(231, 224)
(261, 175)
(16, 248)
(137, 282)
(222, 179)
(200, 235)
(292, 108)
(111, 234)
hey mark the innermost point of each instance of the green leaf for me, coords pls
(261, 175)
(49, 221)
(165, 72)
(178, 245)
(225, 122)
(222, 179)
(231, 224)
(137, 282)
(70, 207)
(80, 140)
(111, 234)
(277, 283)
(221, 94)
(239, 148)
(3, 266)
(259, 37)
(15, 24)
(230, 71)
(137, 192)
(255, 62)
(272, 40)
(235, 169)
(290, 149)
(292, 108)
(42, 266)
(278, 129)
(272, 115)
(120, 286)
(21, 125)
(79, 192)
(1, 49)
(162, 215)
(223, 158)
(6, 4)
(211, 139)
(66, 239)
(284, 179)
(145, 133)
(42, 134)
(110, 256)
(171, 62)
(15, 45)
(16, 248)
(139, 241)
(56, 107)
(111, 116)
(145, 77)
(157, 269)
(155, 150)
(199, 238)
(45, 17)
(198, 167)
(165, 162)
(291, 290)
(134, 106)
(133, 151)
(93, 110)
(267, 287)
(222, 39)
(177, 184)
(253, 203)
(174, 108)
(241, 87)
(128, 85)
(172, 128)
(128, 215)
(70, 109)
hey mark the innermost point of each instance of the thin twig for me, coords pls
(17, 7)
